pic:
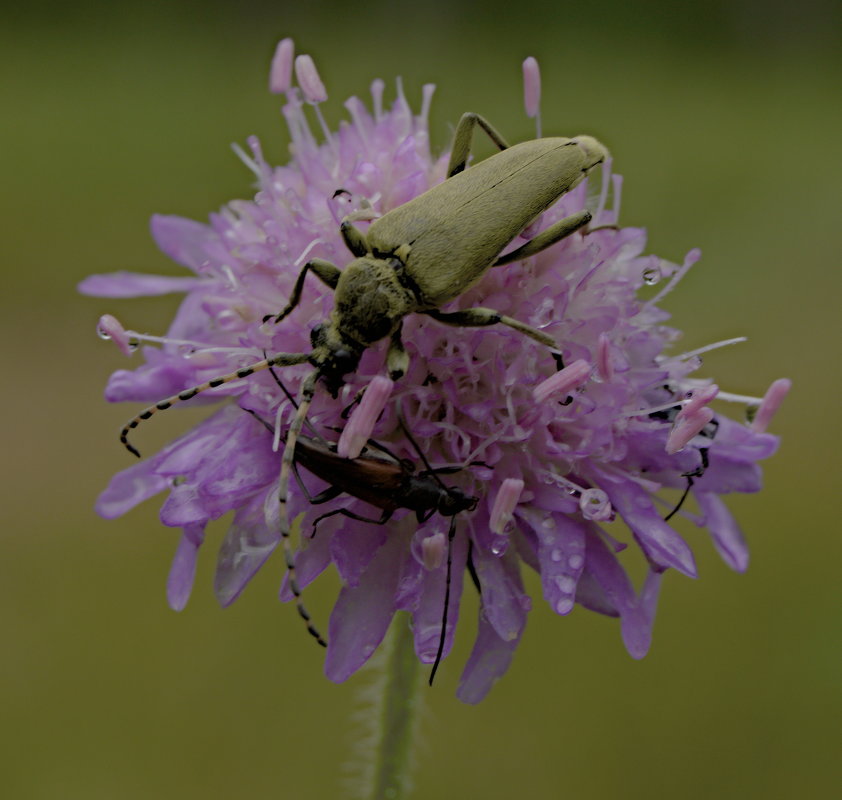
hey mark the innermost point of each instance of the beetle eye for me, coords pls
(343, 361)
(317, 335)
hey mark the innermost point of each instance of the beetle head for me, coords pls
(455, 500)
(594, 152)
(334, 356)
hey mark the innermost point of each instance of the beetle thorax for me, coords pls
(370, 301)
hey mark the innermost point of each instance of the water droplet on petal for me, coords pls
(556, 555)
(499, 546)
(575, 561)
(564, 606)
(651, 276)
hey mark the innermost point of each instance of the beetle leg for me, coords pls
(330, 493)
(346, 412)
(462, 141)
(452, 469)
(397, 359)
(326, 272)
(556, 231)
(408, 465)
(448, 470)
(480, 317)
(472, 570)
(354, 238)
(450, 534)
(384, 518)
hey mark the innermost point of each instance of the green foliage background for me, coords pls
(723, 117)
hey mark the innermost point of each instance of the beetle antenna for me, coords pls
(294, 402)
(696, 473)
(305, 397)
(450, 535)
(281, 360)
(405, 429)
(472, 570)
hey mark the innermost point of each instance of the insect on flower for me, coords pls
(417, 258)
(616, 434)
(381, 479)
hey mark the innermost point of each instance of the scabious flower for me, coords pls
(554, 456)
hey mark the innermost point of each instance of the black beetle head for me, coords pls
(333, 356)
(455, 501)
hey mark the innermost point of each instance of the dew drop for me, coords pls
(651, 276)
(103, 334)
(564, 606)
(499, 545)
(565, 583)
(556, 555)
(368, 649)
(548, 524)
(575, 561)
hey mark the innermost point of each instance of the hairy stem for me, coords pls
(397, 716)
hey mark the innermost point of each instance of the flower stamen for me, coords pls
(686, 427)
(358, 429)
(563, 382)
(770, 404)
(280, 73)
(532, 92)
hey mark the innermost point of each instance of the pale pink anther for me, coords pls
(433, 549)
(280, 73)
(771, 402)
(685, 428)
(563, 382)
(699, 399)
(358, 429)
(109, 327)
(531, 87)
(309, 80)
(604, 363)
(594, 504)
(504, 504)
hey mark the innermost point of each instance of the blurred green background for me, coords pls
(725, 119)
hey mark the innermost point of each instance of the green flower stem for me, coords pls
(398, 715)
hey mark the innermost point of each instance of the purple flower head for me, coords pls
(552, 455)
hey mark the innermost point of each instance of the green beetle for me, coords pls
(417, 258)
(425, 253)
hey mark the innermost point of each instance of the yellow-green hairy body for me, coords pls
(456, 230)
